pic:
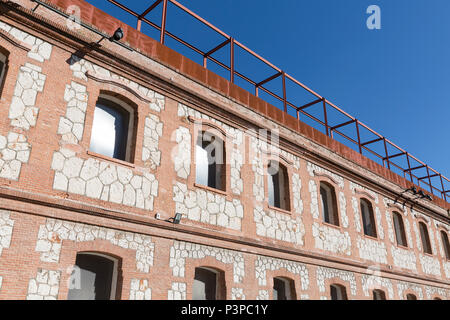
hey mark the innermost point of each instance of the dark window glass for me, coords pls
(329, 205)
(399, 230)
(278, 186)
(425, 238)
(338, 292)
(95, 278)
(446, 244)
(279, 289)
(368, 218)
(210, 161)
(379, 295)
(205, 283)
(411, 297)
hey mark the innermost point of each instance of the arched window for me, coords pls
(411, 296)
(338, 292)
(379, 295)
(283, 289)
(112, 128)
(3, 65)
(368, 218)
(399, 227)
(445, 244)
(94, 278)
(278, 186)
(209, 284)
(329, 204)
(425, 238)
(210, 161)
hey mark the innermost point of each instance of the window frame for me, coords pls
(283, 168)
(331, 196)
(445, 244)
(342, 291)
(411, 295)
(199, 134)
(426, 242)
(220, 285)
(122, 105)
(4, 58)
(402, 229)
(381, 292)
(371, 216)
(289, 288)
(115, 275)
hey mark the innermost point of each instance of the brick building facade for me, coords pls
(60, 201)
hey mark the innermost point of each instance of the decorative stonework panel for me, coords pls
(103, 181)
(178, 291)
(390, 227)
(15, 151)
(71, 126)
(23, 111)
(314, 206)
(54, 232)
(6, 230)
(279, 226)
(263, 264)
(324, 273)
(153, 131)
(430, 265)
(180, 251)
(237, 294)
(447, 269)
(313, 170)
(343, 209)
(14, 148)
(331, 239)
(40, 50)
(432, 292)
(45, 286)
(296, 193)
(404, 286)
(372, 282)
(81, 66)
(404, 258)
(205, 206)
(263, 295)
(182, 158)
(140, 290)
(380, 229)
(372, 250)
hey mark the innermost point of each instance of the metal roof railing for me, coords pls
(300, 110)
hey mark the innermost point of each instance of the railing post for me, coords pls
(284, 91)
(429, 179)
(325, 116)
(163, 21)
(443, 188)
(139, 23)
(387, 155)
(359, 137)
(232, 60)
(409, 167)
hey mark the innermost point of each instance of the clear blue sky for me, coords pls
(396, 80)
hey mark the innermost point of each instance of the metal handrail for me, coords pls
(329, 130)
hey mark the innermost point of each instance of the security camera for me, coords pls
(118, 35)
